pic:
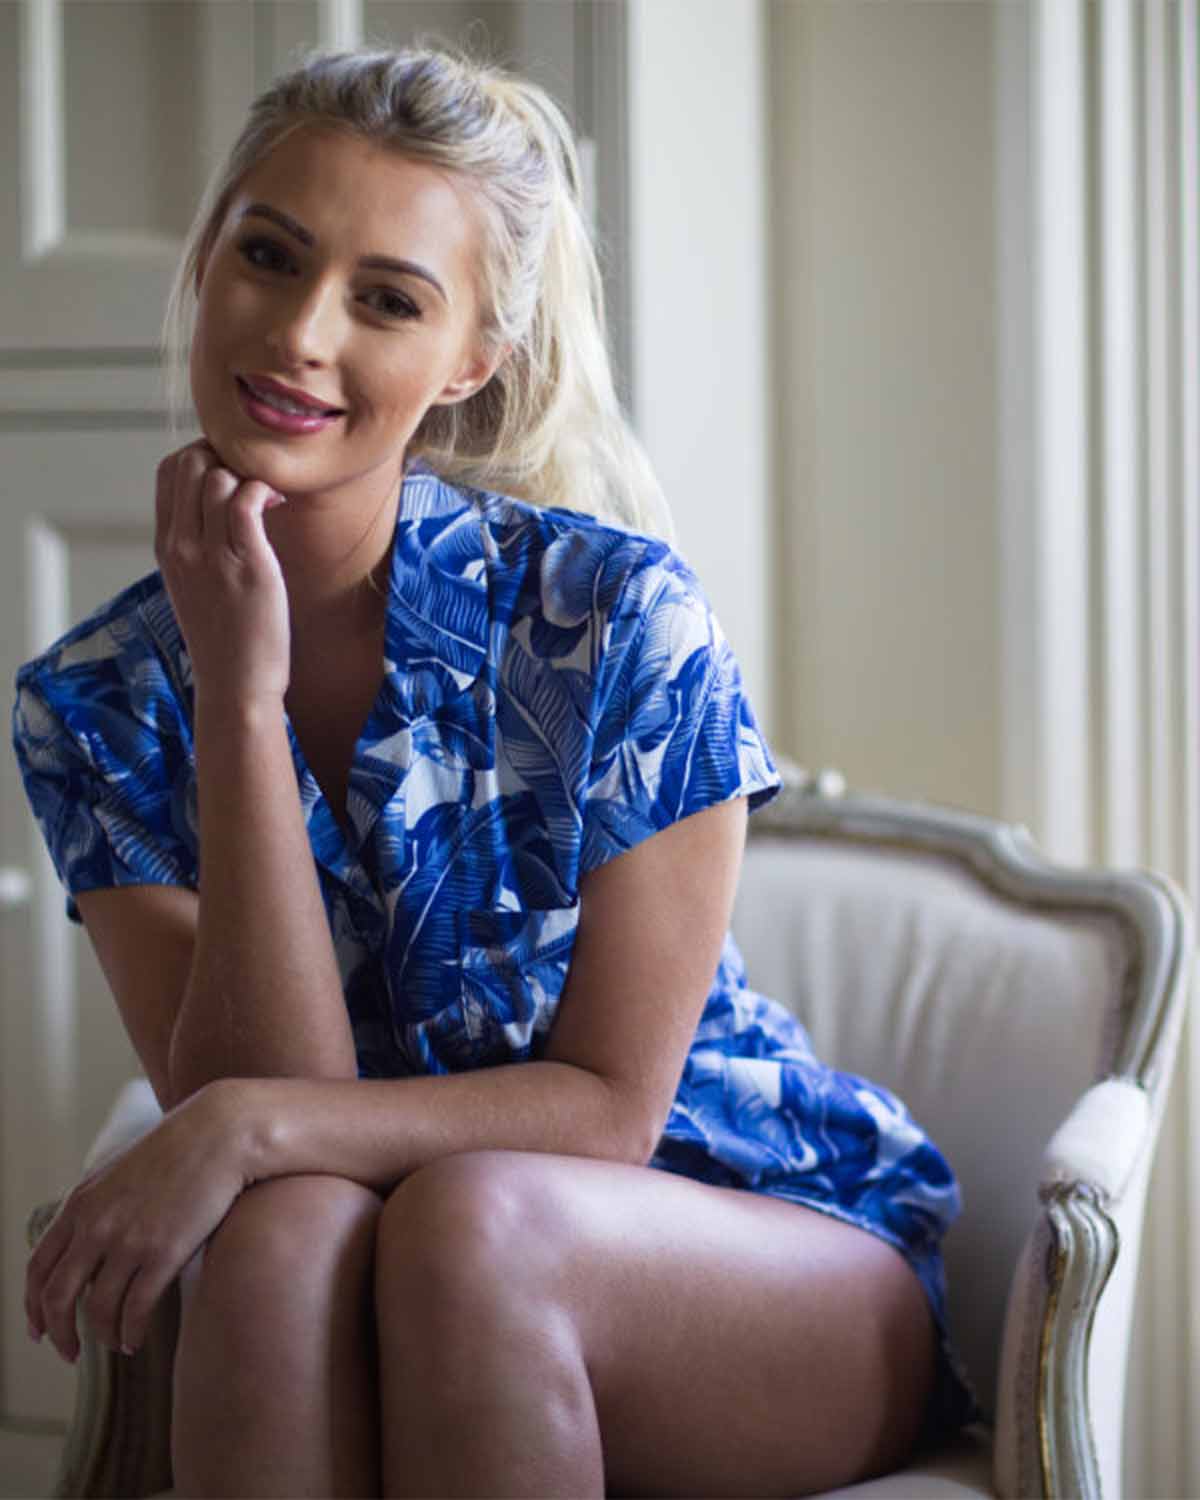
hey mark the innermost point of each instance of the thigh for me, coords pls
(735, 1343)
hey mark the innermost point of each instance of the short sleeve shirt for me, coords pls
(555, 691)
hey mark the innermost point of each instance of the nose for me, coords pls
(305, 330)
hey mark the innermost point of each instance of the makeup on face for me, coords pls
(335, 306)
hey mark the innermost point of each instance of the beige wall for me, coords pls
(884, 317)
(697, 272)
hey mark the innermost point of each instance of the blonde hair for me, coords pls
(547, 427)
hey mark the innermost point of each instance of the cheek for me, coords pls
(199, 362)
(206, 338)
(402, 389)
(204, 366)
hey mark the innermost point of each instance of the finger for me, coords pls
(144, 1292)
(46, 1255)
(187, 507)
(216, 491)
(61, 1294)
(164, 495)
(104, 1299)
(185, 522)
(247, 536)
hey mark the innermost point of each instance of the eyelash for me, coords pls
(251, 249)
(276, 258)
(405, 307)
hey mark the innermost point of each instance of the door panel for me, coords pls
(75, 527)
(112, 113)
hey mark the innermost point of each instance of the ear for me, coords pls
(473, 375)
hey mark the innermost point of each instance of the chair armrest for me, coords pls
(1096, 1159)
(1100, 1141)
(1083, 1251)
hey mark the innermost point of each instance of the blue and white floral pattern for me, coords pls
(555, 691)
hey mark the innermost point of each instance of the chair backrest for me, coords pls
(935, 953)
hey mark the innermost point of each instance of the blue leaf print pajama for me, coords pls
(555, 691)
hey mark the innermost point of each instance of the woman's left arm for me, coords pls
(651, 924)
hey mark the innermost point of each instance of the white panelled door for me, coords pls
(74, 528)
(112, 114)
(112, 111)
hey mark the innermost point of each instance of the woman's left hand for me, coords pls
(125, 1232)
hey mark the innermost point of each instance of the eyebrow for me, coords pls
(371, 262)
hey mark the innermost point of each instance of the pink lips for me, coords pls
(256, 393)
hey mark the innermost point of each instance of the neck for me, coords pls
(336, 573)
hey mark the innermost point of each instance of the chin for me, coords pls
(250, 459)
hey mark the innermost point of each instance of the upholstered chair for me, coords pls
(1027, 1013)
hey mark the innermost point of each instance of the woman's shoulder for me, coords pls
(131, 640)
(573, 561)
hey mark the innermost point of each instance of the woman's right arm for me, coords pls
(239, 980)
(263, 995)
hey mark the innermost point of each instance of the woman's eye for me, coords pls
(265, 255)
(391, 303)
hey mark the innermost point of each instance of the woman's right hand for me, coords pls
(223, 577)
(124, 1233)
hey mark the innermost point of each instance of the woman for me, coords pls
(405, 817)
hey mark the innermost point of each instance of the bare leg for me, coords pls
(275, 1390)
(553, 1326)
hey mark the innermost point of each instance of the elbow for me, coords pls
(185, 1076)
(643, 1145)
(622, 1124)
(636, 1131)
(189, 1069)
(182, 1079)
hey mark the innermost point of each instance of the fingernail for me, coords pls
(126, 1350)
(274, 499)
(34, 1333)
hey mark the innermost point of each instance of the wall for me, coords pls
(697, 270)
(884, 272)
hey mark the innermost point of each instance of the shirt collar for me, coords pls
(439, 606)
(437, 632)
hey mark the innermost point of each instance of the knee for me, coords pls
(282, 1239)
(469, 1239)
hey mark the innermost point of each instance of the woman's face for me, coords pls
(335, 305)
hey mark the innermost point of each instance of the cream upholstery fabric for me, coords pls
(1100, 1141)
(989, 1019)
(960, 1471)
(134, 1111)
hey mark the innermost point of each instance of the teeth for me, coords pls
(284, 403)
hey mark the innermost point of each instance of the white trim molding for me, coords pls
(340, 24)
(1098, 224)
(1061, 356)
(696, 104)
(42, 192)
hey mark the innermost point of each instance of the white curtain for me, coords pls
(1101, 551)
